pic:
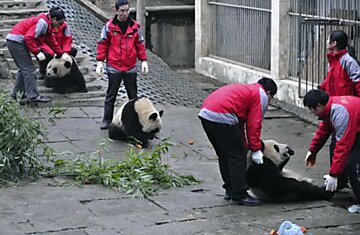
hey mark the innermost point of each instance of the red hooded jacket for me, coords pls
(342, 116)
(63, 38)
(343, 77)
(238, 104)
(32, 31)
(121, 50)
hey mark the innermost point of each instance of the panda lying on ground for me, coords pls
(269, 182)
(136, 120)
(64, 76)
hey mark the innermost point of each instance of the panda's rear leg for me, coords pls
(116, 133)
(48, 82)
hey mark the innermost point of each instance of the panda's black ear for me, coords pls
(67, 64)
(161, 112)
(153, 116)
(277, 148)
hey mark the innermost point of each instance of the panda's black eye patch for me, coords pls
(67, 64)
(55, 70)
(277, 149)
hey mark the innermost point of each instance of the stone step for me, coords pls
(83, 70)
(4, 31)
(2, 42)
(20, 13)
(88, 79)
(80, 102)
(9, 23)
(93, 91)
(19, 4)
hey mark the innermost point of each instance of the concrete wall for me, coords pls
(230, 72)
(170, 32)
(172, 37)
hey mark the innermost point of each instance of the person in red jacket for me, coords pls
(24, 38)
(121, 44)
(63, 37)
(340, 115)
(224, 115)
(343, 78)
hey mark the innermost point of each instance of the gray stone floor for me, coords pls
(48, 206)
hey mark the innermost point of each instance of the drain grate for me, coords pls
(161, 85)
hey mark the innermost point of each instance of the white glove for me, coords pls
(330, 183)
(257, 157)
(144, 68)
(310, 159)
(41, 56)
(100, 68)
(65, 56)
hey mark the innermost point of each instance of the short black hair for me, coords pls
(268, 85)
(120, 3)
(340, 37)
(57, 13)
(314, 97)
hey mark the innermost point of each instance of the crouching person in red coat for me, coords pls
(340, 115)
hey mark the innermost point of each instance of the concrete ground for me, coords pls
(52, 206)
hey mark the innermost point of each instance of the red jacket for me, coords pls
(342, 116)
(63, 38)
(343, 77)
(33, 30)
(121, 50)
(238, 104)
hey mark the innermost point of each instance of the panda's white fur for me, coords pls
(64, 75)
(271, 182)
(136, 118)
(60, 67)
(279, 154)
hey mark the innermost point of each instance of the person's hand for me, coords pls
(330, 183)
(100, 68)
(144, 68)
(310, 159)
(65, 56)
(257, 157)
(41, 56)
(58, 56)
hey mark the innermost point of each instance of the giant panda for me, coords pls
(64, 76)
(136, 120)
(270, 182)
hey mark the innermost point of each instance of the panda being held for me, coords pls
(136, 120)
(64, 75)
(270, 182)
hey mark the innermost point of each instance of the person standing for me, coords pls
(342, 78)
(121, 44)
(340, 115)
(24, 38)
(64, 39)
(224, 116)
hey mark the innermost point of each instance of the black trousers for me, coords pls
(228, 145)
(352, 168)
(114, 82)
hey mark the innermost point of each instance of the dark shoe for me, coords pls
(104, 124)
(227, 196)
(40, 99)
(246, 201)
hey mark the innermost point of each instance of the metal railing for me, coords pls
(240, 31)
(310, 25)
